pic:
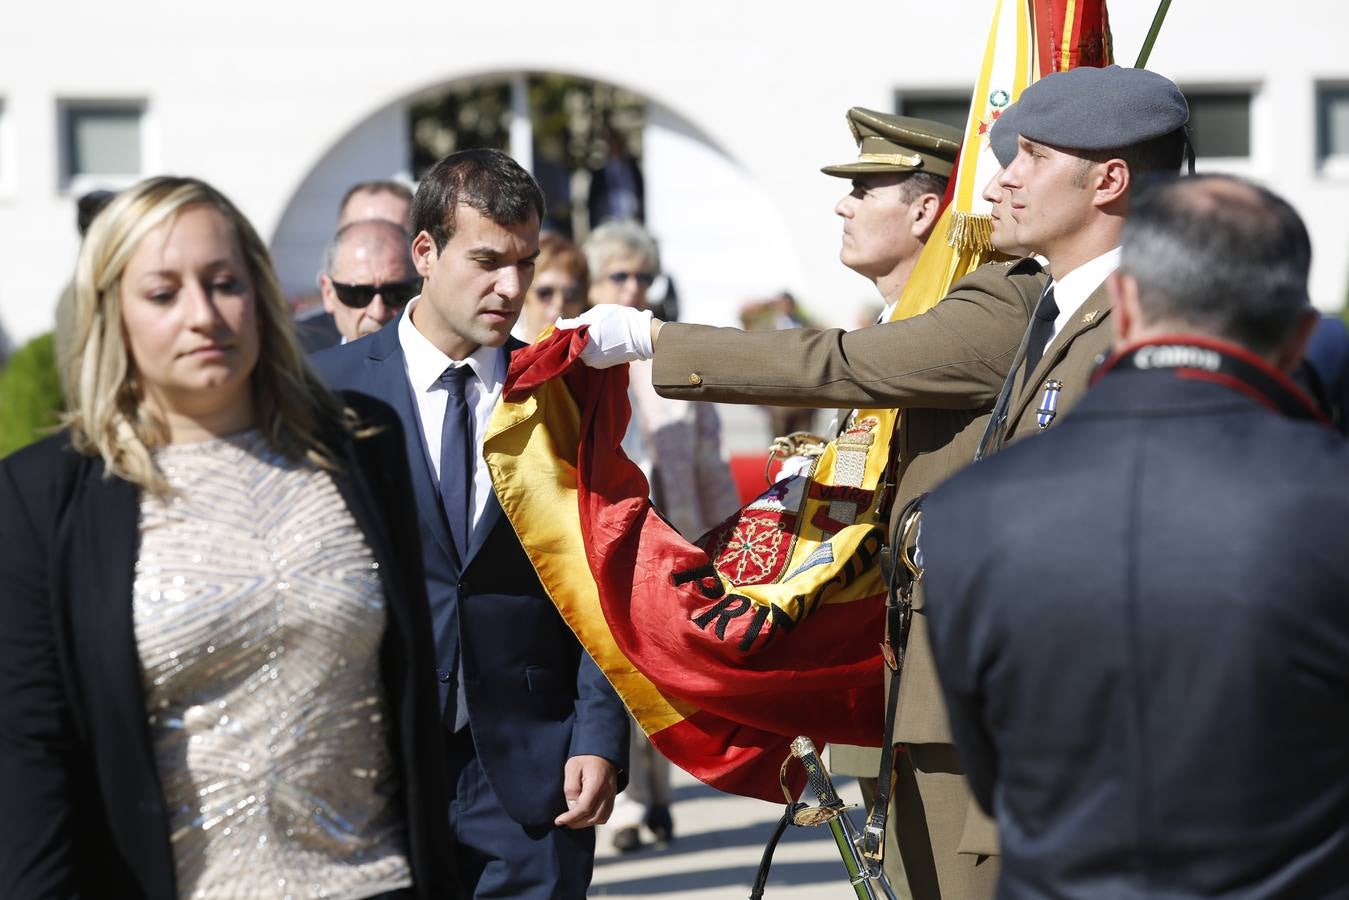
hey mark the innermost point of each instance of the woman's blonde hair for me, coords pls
(108, 418)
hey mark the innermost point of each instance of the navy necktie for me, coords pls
(1041, 330)
(456, 456)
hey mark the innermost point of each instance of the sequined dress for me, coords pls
(259, 615)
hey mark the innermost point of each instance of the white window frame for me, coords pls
(1328, 165)
(73, 184)
(1247, 165)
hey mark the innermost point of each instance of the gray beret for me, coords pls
(1002, 136)
(1100, 109)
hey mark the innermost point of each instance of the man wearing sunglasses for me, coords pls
(368, 277)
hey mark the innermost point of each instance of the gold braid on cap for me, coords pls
(891, 159)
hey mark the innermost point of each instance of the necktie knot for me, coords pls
(1047, 309)
(455, 379)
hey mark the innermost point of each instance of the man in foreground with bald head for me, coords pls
(1139, 617)
(368, 277)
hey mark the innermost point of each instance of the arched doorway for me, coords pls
(722, 236)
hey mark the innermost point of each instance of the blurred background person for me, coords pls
(383, 200)
(617, 192)
(677, 444)
(368, 276)
(774, 314)
(211, 577)
(561, 282)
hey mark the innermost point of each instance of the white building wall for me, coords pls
(254, 94)
(377, 148)
(723, 237)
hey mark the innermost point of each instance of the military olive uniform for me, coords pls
(944, 368)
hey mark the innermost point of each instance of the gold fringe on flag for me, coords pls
(970, 232)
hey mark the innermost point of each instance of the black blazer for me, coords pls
(1141, 623)
(81, 811)
(535, 697)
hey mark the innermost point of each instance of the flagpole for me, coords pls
(1151, 39)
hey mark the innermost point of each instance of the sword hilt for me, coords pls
(803, 748)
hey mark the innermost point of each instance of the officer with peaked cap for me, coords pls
(946, 368)
(898, 179)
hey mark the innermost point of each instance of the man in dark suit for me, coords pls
(537, 738)
(1140, 619)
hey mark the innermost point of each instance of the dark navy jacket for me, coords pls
(535, 697)
(1141, 623)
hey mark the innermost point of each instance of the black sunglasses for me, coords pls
(645, 279)
(395, 293)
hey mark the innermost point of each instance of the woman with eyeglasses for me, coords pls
(215, 649)
(677, 444)
(561, 280)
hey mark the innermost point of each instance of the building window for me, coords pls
(948, 107)
(1220, 123)
(6, 153)
(101, 141)
(1332, 126)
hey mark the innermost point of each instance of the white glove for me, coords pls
(618, 334)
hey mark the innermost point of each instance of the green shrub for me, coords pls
(30, 395)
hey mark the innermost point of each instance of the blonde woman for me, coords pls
(214, 645)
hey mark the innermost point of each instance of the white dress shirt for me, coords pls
(424, 365)
(1073, 289)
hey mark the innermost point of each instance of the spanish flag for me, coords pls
(769, 626)
(707, 644)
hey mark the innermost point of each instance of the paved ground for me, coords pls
(718, 842)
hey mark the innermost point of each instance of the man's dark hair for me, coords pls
(920, 183)
(380, 186)
(1159, 156)
(1221, 254)
(90, 205)
(483, 179)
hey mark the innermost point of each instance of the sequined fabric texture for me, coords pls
(258, 617)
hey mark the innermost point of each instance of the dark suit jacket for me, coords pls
(317, 332)
(81, 813)
(535, 698)
(1141, 622)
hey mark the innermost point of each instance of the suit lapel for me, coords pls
(389, 382)
(1089, 315)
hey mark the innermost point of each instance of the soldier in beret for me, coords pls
(1085, 137)
(948, 368)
